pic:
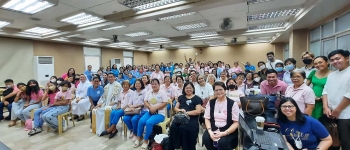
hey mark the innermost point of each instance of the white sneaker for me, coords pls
(64, 126)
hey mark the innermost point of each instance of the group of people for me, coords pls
(208, 92)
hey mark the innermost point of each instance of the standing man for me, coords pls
(88, 72)
(307, 58)
(336, 95)
(271, 60)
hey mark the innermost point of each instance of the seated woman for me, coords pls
(185, 135)
(221, 120)
(170, 91)
(146, 82)
(94, 93)
(50, 93)
(155, 101)
(122, 101)
(18, 103)
(81, 103)
(205, 92)
(70, 79)
(180, 85)
(34, 94)
(135, 102)
(299, 130)
(303, 94)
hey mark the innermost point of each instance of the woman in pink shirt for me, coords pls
(50, 93)
(157, 74)
(34, 94)
(300, 92)
(236, 68)
(170, 90)
(221, 119)
(70, 71)
(146, 83)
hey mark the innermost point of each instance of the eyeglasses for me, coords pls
(287, 106)
(217, 90)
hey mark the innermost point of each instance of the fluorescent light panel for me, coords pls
(41, 31)
(73, 35)
(27, 6)
(202, 34)
(257, 1)
(98, 40)
(275, 14)
(215, 42)
(258, 38)
(191, 25)
(139, 5)
(4, 23)
(157, 39)
(137, 34)
(267, 26)
(122, 43)
(115, 27)
(177, 16)
(81, 18)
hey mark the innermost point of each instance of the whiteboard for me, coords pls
(94, 61)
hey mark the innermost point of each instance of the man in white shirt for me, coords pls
(307, 58)
(271, 61)
(336, 95)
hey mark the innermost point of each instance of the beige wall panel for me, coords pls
(140, 58)
(108, 53)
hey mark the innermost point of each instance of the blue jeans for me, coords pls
(132, 121)
(115, 116)
(2, 105)
(24, 113)
(149, 120)
(38, 121)
(50, 117)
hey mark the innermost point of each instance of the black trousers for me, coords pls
(201, 119)
(184, 135)
(225, 143)
(344, 133)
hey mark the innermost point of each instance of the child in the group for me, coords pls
(60, 106)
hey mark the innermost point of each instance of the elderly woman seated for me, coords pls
(221, 120)
(108, 100)
(185, 135)
(122, 100)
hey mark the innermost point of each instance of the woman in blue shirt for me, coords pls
(115, 70)
(299, 130)
(94, 93)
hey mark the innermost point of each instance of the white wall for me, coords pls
(16, 58)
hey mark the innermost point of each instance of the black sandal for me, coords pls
(113, 134)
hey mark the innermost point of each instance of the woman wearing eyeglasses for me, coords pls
(221, 120)
(299, 130)
(303, 94)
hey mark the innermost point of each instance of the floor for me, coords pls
(75, 138)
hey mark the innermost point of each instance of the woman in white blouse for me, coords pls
(205, 92)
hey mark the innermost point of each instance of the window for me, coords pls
(92, 56)
(343, 23)
(344, 42)
(286, 50)
(315, 48)
(315, 34)
(327, 29)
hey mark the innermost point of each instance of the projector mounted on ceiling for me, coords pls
(226, 24)
(115, 39)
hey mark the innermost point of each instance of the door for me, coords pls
(94, 61)
(127, 61)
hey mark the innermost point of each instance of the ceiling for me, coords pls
(213, 12)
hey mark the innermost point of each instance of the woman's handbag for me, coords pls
(332, 128)
(135, 111)
(254, 106)
(181, 118)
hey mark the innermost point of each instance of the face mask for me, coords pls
(191, 66)
(231, 86)
(23, 88)
(307, 61)
(53, 80)
(52, 88)
(64, 88)
(75, 79)
(262, 67)
(59, 82)
(234, 76)
(32, 87)
(290, 67)
(270, 58)
(257, 79)
(178, 74)
(176, 67)
(279, 69)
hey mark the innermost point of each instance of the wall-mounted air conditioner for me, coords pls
(43, 69)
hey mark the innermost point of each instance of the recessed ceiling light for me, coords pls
(41, 31)
(81, 18)
(176, 16)
(115, 27)
(98, 40)
(139, 5)
(215, 42)
(122, 43)
(73, 35)
(28, 6)
(257, 41)
(267, 26)
(137, 34)
(203, 34)
(158, 39)
(4, 23)
(257, 1)
(191, 25)
(275, 14)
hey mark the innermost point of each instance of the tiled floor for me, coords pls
(75, 138)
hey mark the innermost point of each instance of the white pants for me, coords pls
(81, 107)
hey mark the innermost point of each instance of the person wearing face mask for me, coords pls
(257, 79)
(280, 70)
(9, 97)
(271, 60)
(18, 103)
(59, 81)
(233, 92)
(307, 58)
(177, 68)
(290, 64)
(53, 79)
(263, 69)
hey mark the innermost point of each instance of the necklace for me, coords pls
(220, 107)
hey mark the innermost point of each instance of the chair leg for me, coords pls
(60, 124)
(71, 115)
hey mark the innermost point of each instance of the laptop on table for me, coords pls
(263, 139)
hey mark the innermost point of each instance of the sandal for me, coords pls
(137, 143)
(144, 146)
(134, 139)
(131, 135)
(13, 123)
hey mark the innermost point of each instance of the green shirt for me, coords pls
(317, 83)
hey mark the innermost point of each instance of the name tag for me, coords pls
(98, 92)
